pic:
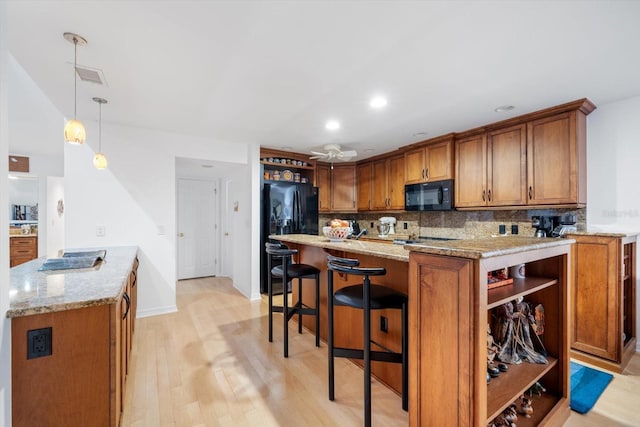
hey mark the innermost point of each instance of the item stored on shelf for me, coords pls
(498, 278)
(513, 324)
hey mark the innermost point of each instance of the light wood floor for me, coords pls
(210, 364)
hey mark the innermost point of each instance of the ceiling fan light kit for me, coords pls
(74, 132)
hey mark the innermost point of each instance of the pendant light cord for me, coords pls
(100, 128)
(75, 77)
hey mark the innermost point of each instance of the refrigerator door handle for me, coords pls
(295, 212)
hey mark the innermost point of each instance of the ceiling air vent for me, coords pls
(92, 75)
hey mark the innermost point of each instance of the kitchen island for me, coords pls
(71, 336)
(450, 307)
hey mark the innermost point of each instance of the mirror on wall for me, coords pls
(23, 199)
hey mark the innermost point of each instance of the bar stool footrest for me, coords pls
(378, 356)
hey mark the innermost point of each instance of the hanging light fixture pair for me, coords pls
(74, 131)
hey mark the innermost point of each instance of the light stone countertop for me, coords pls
(34, 292)
(365, 247)
(603, 233)
(464, 248)
(487, 247)
(11, 236)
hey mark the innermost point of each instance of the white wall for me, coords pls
(5, 324)
(613, 165)
(136, 196)
(53, 238)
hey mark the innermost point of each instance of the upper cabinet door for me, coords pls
(323, 182)
(414, 162)
(379, 170)
(471, 172)
(439, 161)
(555, 157)
(507, 167)
(343, 188)
(395, 182)
(363, 178)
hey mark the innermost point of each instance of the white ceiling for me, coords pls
(272, 72)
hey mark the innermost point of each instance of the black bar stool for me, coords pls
(366, 297)
(289, 271)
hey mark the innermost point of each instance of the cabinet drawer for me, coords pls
(23, 251)
(22, 241)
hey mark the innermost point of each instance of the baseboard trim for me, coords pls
(156, 311)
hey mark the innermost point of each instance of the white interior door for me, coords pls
(198, 248)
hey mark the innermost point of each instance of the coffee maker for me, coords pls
(566, 224)
(544, 225)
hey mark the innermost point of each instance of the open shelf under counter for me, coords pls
(519, 288)
(515, 382)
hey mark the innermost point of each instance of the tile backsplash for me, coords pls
(459, 224)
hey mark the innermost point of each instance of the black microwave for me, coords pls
(429, 196)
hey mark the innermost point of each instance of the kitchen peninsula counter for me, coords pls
(450, 307)
(36, 292)
(71, 337)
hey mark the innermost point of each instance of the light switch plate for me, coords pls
(100, 230)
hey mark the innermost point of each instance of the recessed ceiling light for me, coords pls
(207, 166)
(332, 125)
(378, 102)
(503, 108)
(287, 148)
(420, 134)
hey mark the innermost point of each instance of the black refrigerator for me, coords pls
(287, 208)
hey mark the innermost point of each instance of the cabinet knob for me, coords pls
(180, 234)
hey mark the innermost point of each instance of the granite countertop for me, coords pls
(365, 247)
(464, 248)
(603, 233)
(33, 292)
(486, 247)
(11, 236)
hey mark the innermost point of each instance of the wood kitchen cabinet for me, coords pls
(82, 382)
(430, 162)
(388, 183)
(336, 187)
(492, 168)
(364, 176)
(603, 326)
(449, 303)
(22, 249)
(535, 160)
(556, 159)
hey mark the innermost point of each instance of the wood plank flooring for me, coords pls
(210, 364)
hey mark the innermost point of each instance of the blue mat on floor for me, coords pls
(586, 386)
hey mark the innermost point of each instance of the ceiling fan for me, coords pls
(334, 152)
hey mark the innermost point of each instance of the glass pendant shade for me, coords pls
(100, 161)
(74, 132)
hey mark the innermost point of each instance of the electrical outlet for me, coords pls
(514, 228)
(372, 225)
(384, 324)
(39, 343)
(502, 229)
(100, 230)
(406, 226)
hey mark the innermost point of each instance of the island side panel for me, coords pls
(348, 321)
(441, 341)
(70, 386)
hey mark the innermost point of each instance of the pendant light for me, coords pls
(74, 132)
(99, 160)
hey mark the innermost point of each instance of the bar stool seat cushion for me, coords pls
(381, 297)
(295, 271)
